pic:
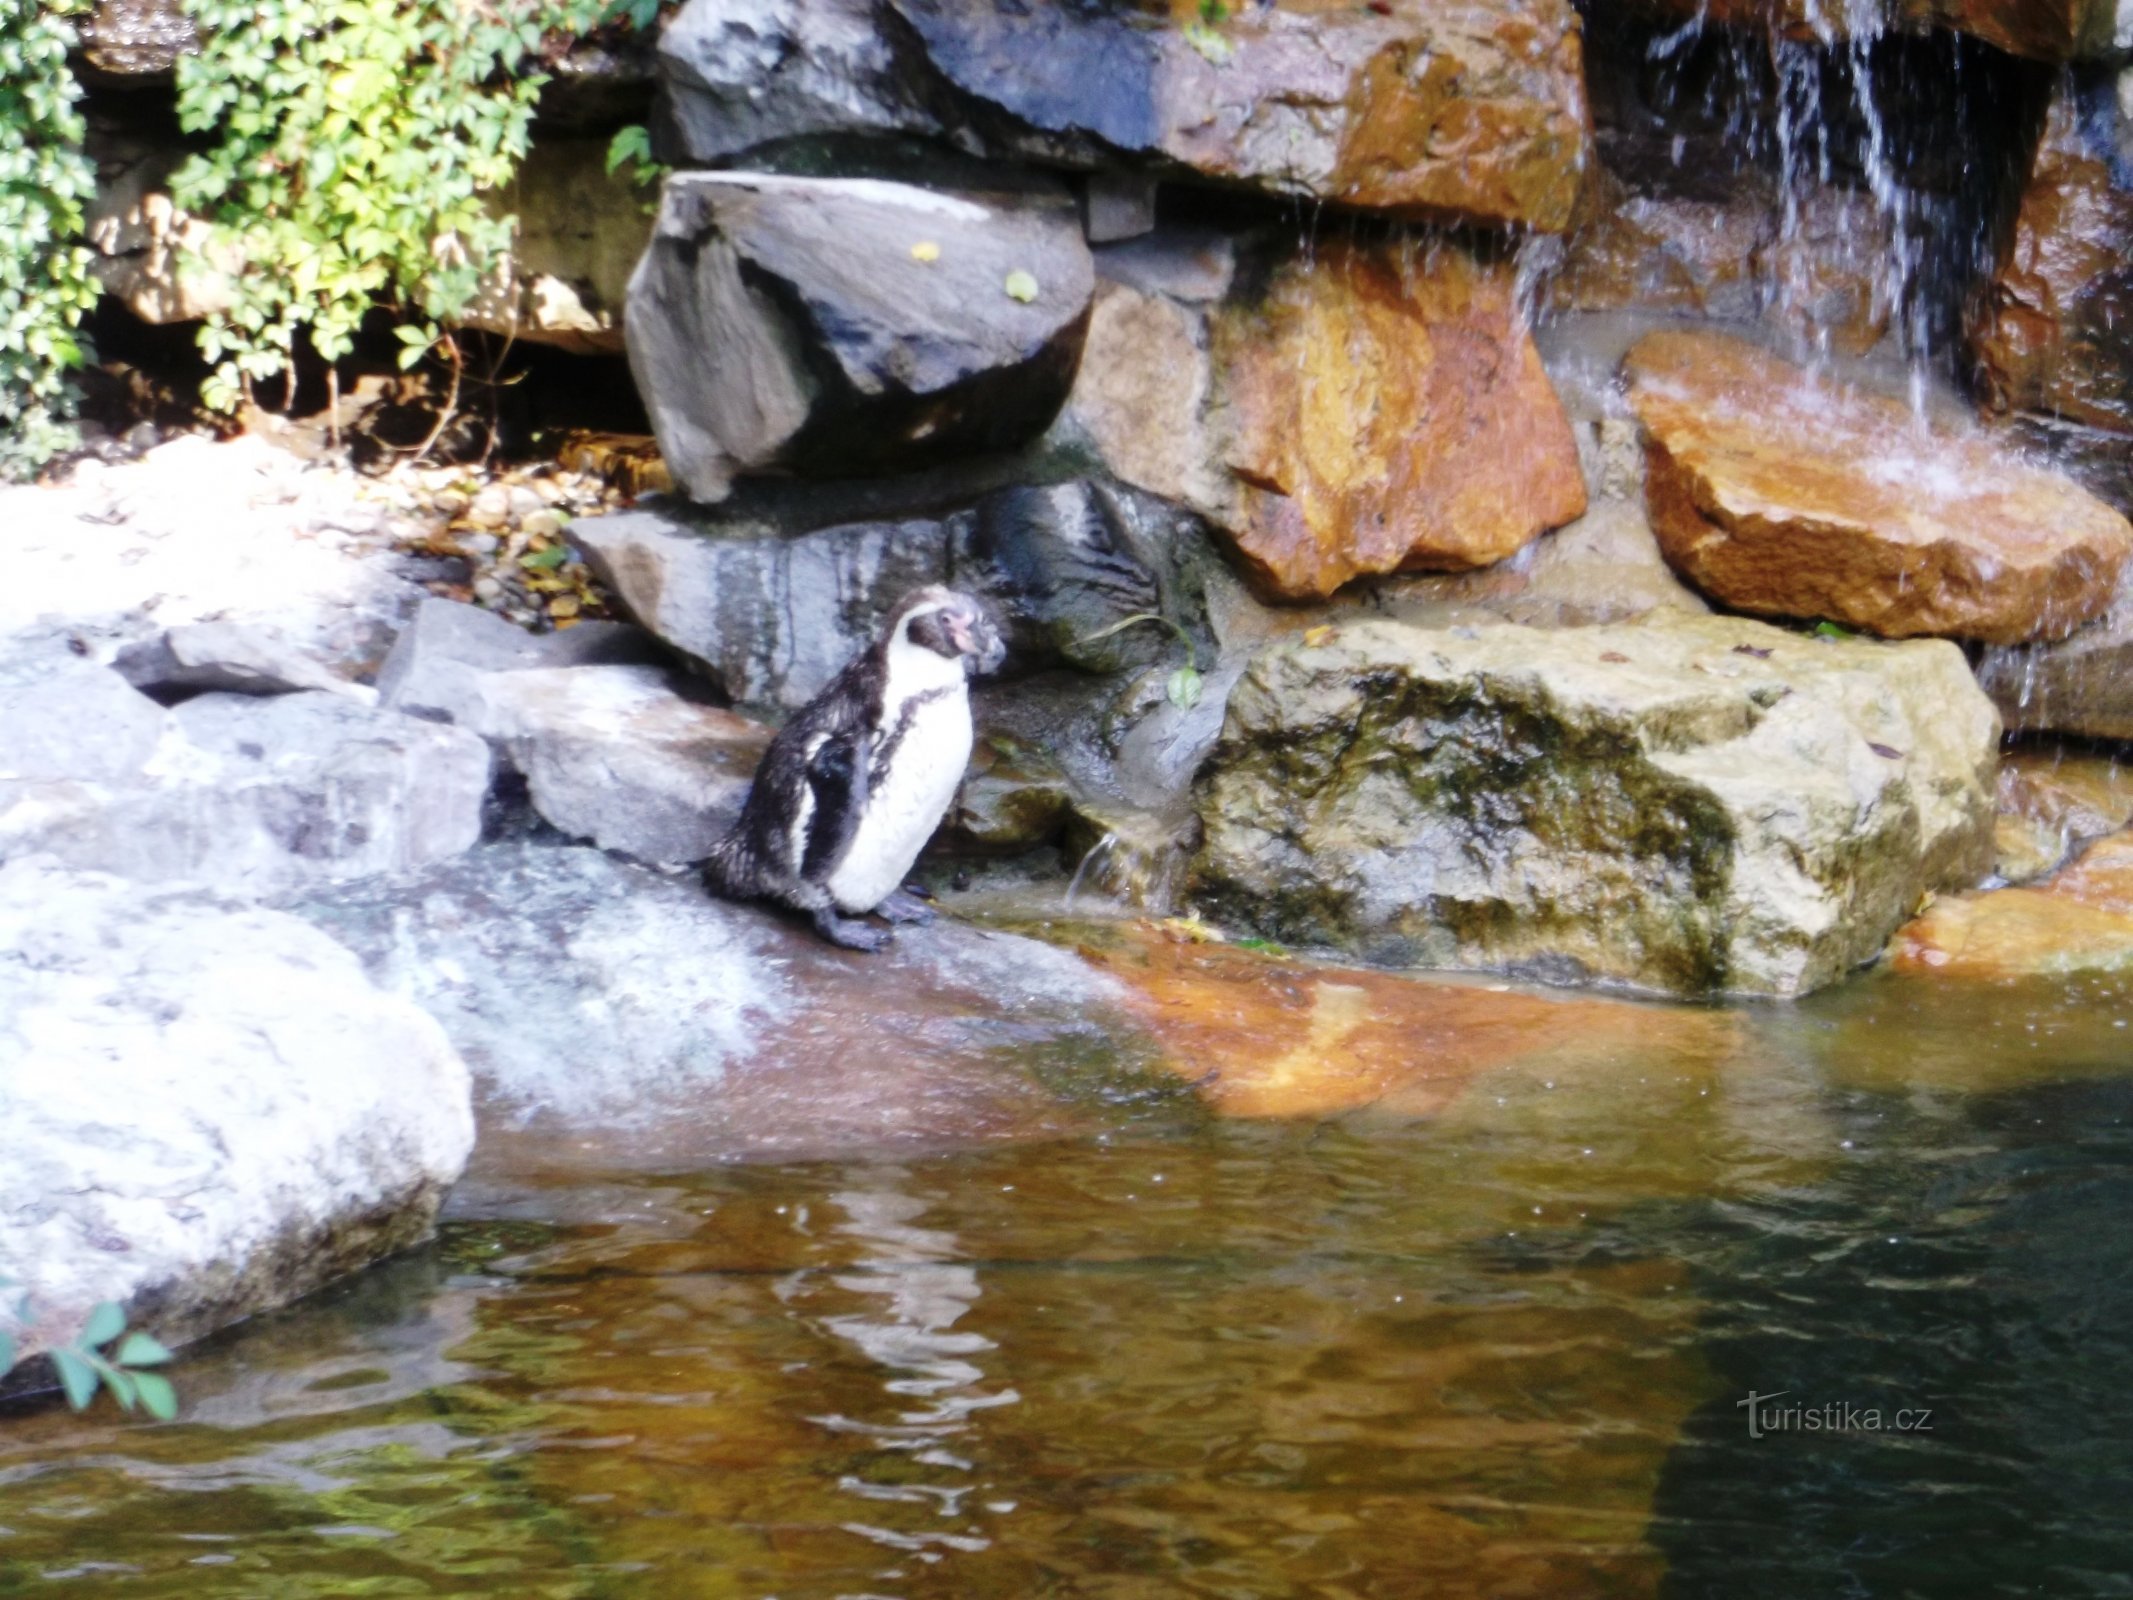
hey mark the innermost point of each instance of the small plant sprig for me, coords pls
(1183, 687)
(103, 1355)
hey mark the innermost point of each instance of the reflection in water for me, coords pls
(1493, 1348)
(914, 1291)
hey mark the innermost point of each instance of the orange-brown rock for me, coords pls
(1260, 1035)
(2041, 30)
(1784, 495)
(2050, 802)
(1383, 410)
(2051, 334)
(2078, 920)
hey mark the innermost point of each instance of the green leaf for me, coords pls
(142, 1350)
(158, 1398)
(105, 1323)
(76, 1376)
(1021, 286)
(545, 560)
(120, 1384)
(1183, 687)
(633, 143)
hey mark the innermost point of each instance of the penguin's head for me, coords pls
(950, 624)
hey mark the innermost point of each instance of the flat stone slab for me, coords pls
(206, 1108)
(1690, 804)
(1784, 495)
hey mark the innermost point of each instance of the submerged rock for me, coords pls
(1782, 495)
(620, 1016)
(1472, 112)
(206, 1108)
(1693, 804)
(2078, 920)
(1371, 409)
(844, 326)
(1260, 1035)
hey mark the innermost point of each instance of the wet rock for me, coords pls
(2041, 30)
(1778, 494)
(773, 612)
(230, 657)
(841, 326)
(1465, 113)
(616, 1016)
(264, 796)
(2078, 920)
(614, 755)
(1373, 409)
(1013, 798)
(1693, 804)
(210, 1109)
(2081, 685)
(441, 658)
(2050, 336)
(1266, 1035)
(1663, 252)
(2050, 803)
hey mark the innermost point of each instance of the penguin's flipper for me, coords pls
(837, 795)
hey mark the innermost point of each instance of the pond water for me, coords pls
(1499, 1348)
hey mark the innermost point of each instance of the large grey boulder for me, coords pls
(206, 1108)
(262, 796)
(440, 660)
(842, 326)
(70, 720)
(1691, 804)
(618, 1016)
(772, 612)
(1472, 112)
(613, 754)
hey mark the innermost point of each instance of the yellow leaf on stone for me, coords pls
(1322, 634)
(563, 605)
(925, 250)
(1021, 286)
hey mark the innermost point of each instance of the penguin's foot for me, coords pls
(852, 935)
(903, 906)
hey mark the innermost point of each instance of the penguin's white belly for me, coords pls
(906, 805)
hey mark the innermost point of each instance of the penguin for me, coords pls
(850, 789)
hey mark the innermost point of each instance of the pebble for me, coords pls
(491, 508)
(452, 502)
(535, 524)
(525, 502)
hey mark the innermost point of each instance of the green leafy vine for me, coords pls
(45, 181)
(355, 142)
